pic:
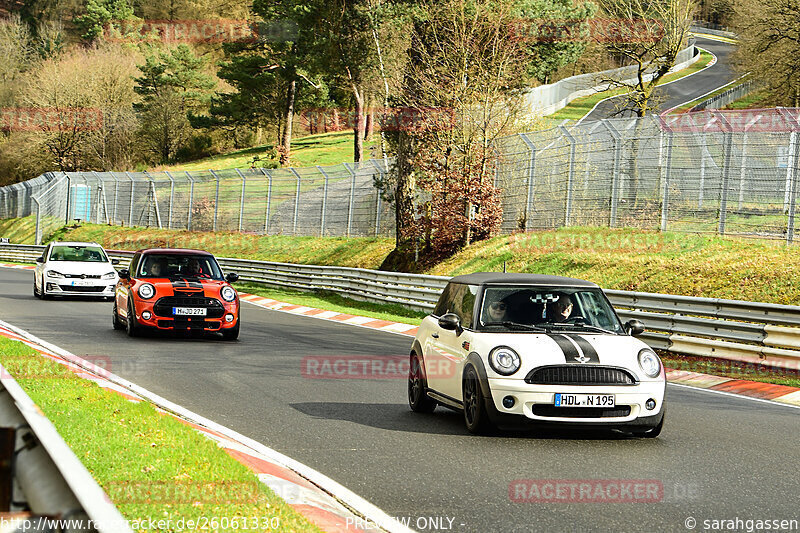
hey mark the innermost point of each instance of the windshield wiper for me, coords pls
(510, 324)
(582, 325)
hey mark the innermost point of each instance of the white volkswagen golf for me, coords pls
(74, 269)
(549, 350)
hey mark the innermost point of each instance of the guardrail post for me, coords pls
(269, 199)
(570, 175)
(216, 200)
(241, 200)
(352, 197)
(324, 201)
(531, 179)
(171, 198)
(191, 200)
(296, 201)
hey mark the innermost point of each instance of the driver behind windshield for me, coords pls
(495, 310)
(560, 310)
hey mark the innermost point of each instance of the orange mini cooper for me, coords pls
(178, 290)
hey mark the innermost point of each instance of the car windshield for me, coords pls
(548, 308)
(89, 254)
(179, 266)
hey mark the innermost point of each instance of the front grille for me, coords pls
(82, 276)
(579, 375)
(541, 409)
(186, 324)
(163, 306)
(70, 288)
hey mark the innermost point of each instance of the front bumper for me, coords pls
(99, 288)
(229, 318)
(527, 397)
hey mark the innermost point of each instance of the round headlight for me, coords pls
(504, 360)
(228, 294)
(147, 291)
(649, 361)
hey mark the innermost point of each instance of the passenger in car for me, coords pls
(560, 309)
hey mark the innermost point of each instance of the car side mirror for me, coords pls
(115, 261)
(124, 274)
(40, 259)
(634, 327)
(450, 321)
(232, 277)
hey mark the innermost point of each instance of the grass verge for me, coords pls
(753, 100)
(321, 149)
(151, 465)
(332, 301)
(731, 369)
(579, 107)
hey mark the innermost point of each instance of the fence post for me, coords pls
(216, 200)
(38, 231)
(352, 196)
(171, 198)
(191, 200)
(296, 201)
(726, 172)
(116, 196)
(743, 171)
(614, 200)
(570, 175)
(269, 199)
(69, 197)
(130, 208)
(667, 170)
(377, 199)
(793, 167)
(324, 201)
(531, 180)
(241, 200)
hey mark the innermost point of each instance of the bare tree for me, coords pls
(648, 35)
(769, 47)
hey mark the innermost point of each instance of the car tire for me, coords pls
(36, 292)
(652, 432)
(115, 318)
(418, 399)
(475, 416)
(131, 327)
(233, 333)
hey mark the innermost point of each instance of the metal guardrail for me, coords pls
(49, 481)
(753, 332)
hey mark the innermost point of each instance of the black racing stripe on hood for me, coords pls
(182, 284)
(569, 349)
(586, 347)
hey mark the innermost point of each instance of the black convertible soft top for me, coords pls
(502, 278)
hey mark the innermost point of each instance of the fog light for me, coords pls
(229, 318)
(650, 404)
(508, 402)
(146, 315)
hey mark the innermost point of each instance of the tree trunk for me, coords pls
(286, 142)
(335, 126)
(404, 191)
(370, 129)
(358, 127)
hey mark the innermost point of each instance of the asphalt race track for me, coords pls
(683, 90)
(719, 457)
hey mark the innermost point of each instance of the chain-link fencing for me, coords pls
(726, 172)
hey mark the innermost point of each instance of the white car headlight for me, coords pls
(649, 361)
(147, 291)
(54, 274)
(228, 294)
(504, 360)
(110, 275)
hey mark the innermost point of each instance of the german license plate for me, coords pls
(81, 283)
(584, 400)
(189, 311)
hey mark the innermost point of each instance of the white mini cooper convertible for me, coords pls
(511, 348)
